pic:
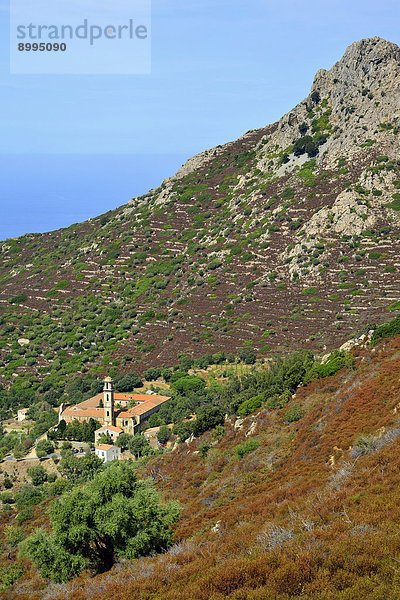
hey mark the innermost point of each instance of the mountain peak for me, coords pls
(367, 58)
(370, 52)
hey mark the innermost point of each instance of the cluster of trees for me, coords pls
(190, 394)
(127, 383)
(39, 475)
(80, 432)
(114, 515)
(44, 448)
(137, 444)
(207, 417)
(309, 144)
(43, 416)
(77, 469)
(272, 387)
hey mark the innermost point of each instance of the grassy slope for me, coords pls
(300, 517)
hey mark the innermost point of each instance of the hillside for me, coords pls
(285, 238)
(272, 508)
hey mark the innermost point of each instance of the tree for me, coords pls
(247, 355)
(74, 469)
(115, 515)
(38, 475)
(189, 383)
(183, 430)
(124, 440)
(127, 383)
(105, 438)
(311, 148)
(207, 418)
(62, 426)
(139, 446)
(163, 434)
(250, 405)
(7, 483)
(303, 128)
(43, 448)
(154, 420)
(81, 432)
(14, 535)
(152, 373)
(166, 373)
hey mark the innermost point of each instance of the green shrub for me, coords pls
(38, 475)
(7, 498)
(287, 193)
(43, 448)
(9, 575)
(163, 434)
(204, 448)
(295, 413)
(18, 299)
(386, 330)
(246, 447)
(25, 514)
(310, 291)
(337, 360)
(250, 405)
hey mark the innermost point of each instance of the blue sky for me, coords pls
(219, 68)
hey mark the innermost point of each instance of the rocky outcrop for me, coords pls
(361, 91)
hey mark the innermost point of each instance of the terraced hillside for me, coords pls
(286, 237)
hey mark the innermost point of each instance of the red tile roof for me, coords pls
(90, 408)
(110, 428)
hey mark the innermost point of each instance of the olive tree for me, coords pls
(114, 515)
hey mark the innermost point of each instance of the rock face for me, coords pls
(362, 91)
(287, 237)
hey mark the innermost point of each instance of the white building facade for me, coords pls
(108, 453)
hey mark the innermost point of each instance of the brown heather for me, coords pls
(297, 518)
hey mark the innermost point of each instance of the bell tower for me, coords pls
(108, 401)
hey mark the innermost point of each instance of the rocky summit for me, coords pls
(287, 237)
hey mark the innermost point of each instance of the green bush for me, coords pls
(163, 434)
(246, 447)
(7, 498)
(386, 330)
(38, 475)
(250, 405)
(18, 299)
(336, 361)
(43, 448)
(9, 575)
(295, 413)
(25, 514)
